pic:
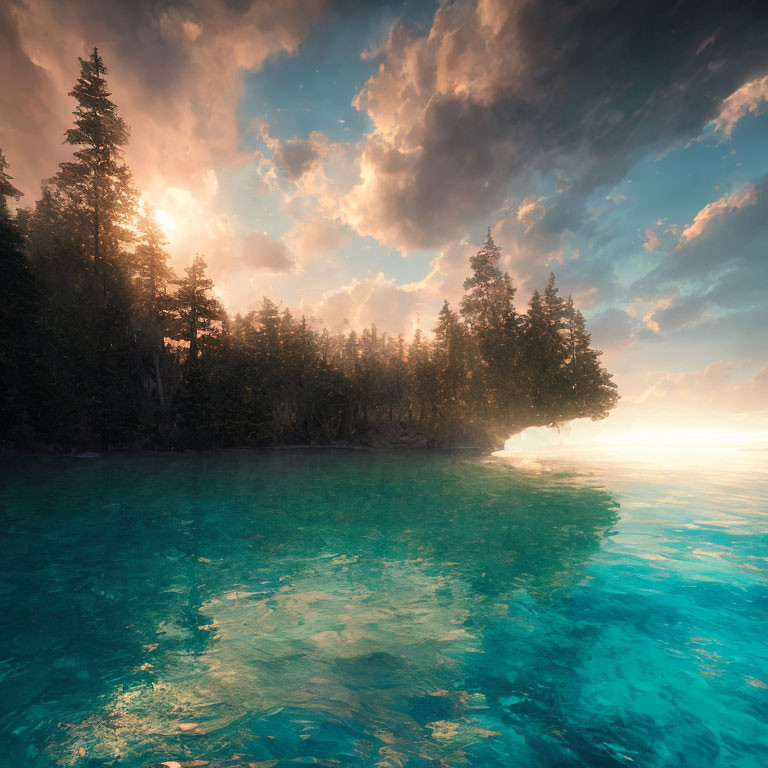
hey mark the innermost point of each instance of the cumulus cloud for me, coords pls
(317, 238)
(497, 90)
(727, 204)
(752, 98)
(176, 77)
(260, 251)
(375, 300)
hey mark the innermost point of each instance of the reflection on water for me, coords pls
(380, 609)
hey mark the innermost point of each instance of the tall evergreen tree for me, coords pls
(590, 388)
(98, 182)
(17, 318)
(195, 307)
(95, 195)
(450, 358)
(489, 291)
(495, 349)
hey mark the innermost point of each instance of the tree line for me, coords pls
(103, 346)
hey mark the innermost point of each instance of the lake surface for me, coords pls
(349, 608)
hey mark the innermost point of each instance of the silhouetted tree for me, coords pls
(17, 319)
(84, 323)
(195, 308)
(98, 182)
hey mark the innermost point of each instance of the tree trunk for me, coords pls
(160, 392)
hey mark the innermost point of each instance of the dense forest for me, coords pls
(103, 346)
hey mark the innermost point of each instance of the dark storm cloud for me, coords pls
(500, 90)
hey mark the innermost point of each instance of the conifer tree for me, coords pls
(450, 357)
(423, 384)
(488, 300)
(17, 315)
(6, 184)
(494, 348)
(195, 308)
(591, 390)
(98, 182)
(95, 194)
(535, 337)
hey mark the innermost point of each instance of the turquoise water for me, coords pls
(346, 608)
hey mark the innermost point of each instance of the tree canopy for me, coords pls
(102, 345)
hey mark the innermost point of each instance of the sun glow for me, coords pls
(670, 447)
(166, 221)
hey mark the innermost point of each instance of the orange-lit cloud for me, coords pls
(176, 75)
(318, 238)
(750, 98)
(727, 204)
(497, 92)
(377, 300)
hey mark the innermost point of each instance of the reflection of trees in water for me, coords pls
(203, 594)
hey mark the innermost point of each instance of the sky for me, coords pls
(346, 158)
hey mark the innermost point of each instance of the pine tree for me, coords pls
(95, 195)
(450, 358)
(194, 307)
(536, 367)
(6, 187)
(17, 318)
(488, 301)
(591, 390)
(423, 383)
(98, 182)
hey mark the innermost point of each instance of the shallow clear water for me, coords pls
(341, 608)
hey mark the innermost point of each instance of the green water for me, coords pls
(346, 608)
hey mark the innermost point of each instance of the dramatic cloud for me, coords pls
(176, 76)
(498, 91)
